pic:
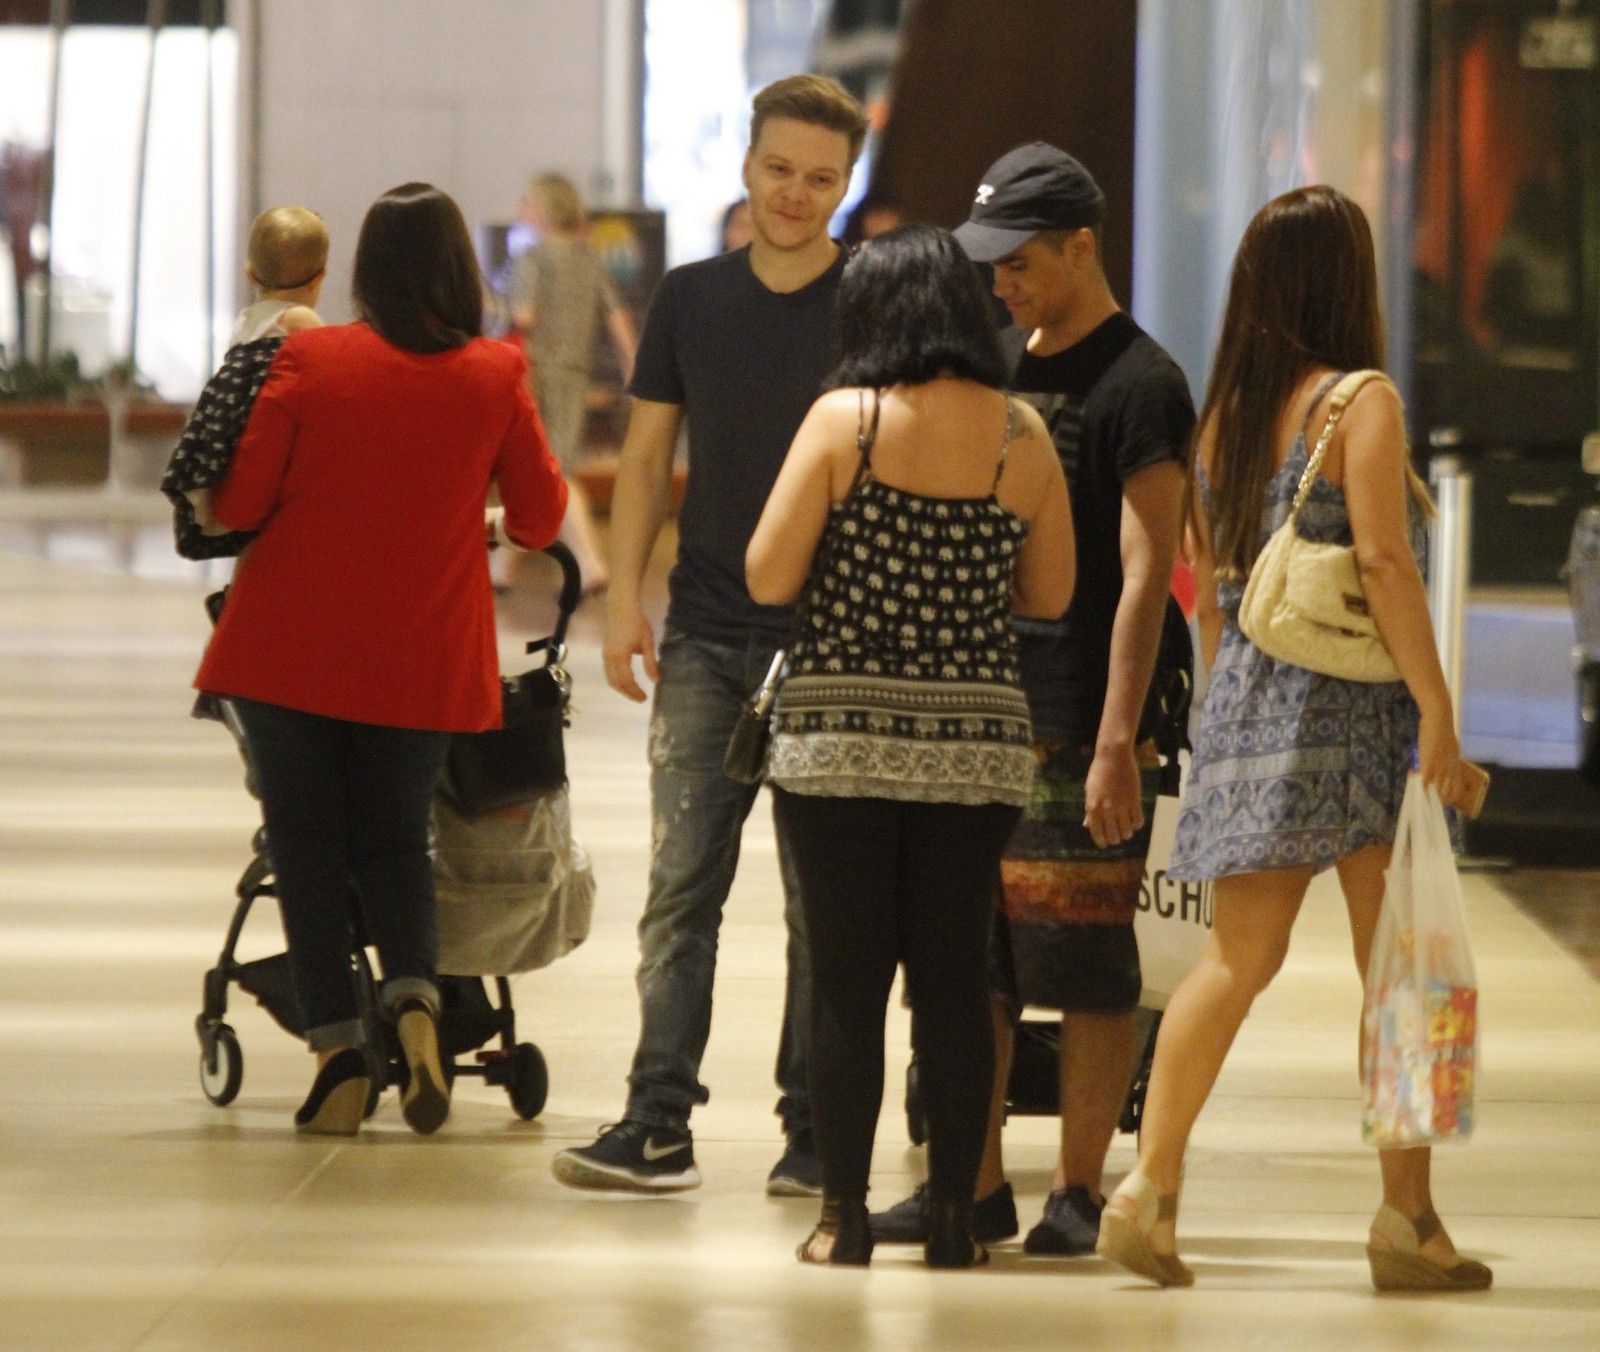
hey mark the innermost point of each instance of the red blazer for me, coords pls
(366, 467)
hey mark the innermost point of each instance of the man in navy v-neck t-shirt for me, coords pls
(745, 363)
(736, 348)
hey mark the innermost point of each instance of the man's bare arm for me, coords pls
(1152, 505)
(639, 506)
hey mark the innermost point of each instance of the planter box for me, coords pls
(51, 445)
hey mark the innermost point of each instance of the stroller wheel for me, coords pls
(529, 1082)
(222, 1072)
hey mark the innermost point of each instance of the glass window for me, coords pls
(1504, 284)
(102, 82)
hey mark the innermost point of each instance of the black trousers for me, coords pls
(347, 814)
(885, 883)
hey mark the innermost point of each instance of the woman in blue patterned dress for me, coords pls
(1295, 772)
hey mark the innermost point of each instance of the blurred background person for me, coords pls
(560, 294)
(736, 228)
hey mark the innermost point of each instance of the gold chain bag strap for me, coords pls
(1303, 603)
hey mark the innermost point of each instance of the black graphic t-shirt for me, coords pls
(1115, 403)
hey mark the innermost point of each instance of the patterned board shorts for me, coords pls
(1064, 927)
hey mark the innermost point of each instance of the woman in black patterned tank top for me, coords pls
(918, 509)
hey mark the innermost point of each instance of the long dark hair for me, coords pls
(1304, 293)
(911, 307)
(416, 278)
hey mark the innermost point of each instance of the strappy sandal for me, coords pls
(1398, 1264)
(1131, 1213)
(842, 1237)
(950, 1242)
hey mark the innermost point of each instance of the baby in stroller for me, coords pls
(515, 892)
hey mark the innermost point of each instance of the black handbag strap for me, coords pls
(571, 594)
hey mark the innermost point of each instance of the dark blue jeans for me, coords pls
(347, 814)
(697, 814)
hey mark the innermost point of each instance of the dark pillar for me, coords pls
(977, 77)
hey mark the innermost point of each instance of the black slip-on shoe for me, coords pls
(1070, 1226)
(994, 1219)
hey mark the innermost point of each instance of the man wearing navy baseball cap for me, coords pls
(1121, 416)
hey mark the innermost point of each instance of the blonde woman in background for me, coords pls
(559, 294)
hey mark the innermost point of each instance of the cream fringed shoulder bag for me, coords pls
(1303, 603)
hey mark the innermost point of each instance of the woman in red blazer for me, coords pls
(359, 630)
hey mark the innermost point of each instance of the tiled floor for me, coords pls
(135, 1215)
(1566, 902)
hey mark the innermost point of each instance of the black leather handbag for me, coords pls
(745, 760)
(746, 757)
(526, 758)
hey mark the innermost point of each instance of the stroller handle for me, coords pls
(571, 594)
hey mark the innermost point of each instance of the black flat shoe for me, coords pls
(950, 1243)
(843, 1236)
(425, 1103)
(338, 1098)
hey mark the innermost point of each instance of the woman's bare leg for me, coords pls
(579, 533)
(1406, 1183)
(992, 1170)
(1252, 918)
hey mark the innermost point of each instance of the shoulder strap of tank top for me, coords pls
(866, 437)
(822, 559)
(1317, 398)
(1005, 445)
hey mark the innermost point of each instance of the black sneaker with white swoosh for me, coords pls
(631, 1157)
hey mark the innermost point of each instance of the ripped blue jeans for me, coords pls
(697, 813)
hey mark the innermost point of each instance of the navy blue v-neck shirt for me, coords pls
(745, 363)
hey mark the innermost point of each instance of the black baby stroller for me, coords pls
(515, 893)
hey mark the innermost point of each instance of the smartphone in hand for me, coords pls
(1477, 788)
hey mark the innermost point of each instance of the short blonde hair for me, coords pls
(813, 99)
(558, 200)
(288, 248)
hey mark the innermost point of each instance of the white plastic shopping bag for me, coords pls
(1419, 1025)
(1173, 921)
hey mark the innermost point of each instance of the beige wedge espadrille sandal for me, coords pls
(1398, 1263)
(1131, 1212)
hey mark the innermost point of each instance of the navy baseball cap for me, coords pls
(1028, 190)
